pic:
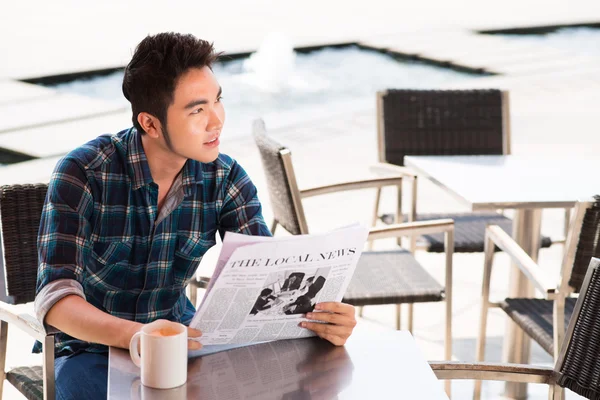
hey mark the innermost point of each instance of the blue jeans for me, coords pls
(81, 376)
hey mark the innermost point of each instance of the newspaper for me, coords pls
(262, 287)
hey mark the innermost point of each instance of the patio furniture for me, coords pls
(527, 184)
(544, 319)
(20, 212)
(443, 122)
(391, 367)
(577, 365)
(381, 277)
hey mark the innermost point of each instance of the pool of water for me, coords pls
(580, 41)
(312, 85)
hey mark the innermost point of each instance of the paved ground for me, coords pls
(554, 103)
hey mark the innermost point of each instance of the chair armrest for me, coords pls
(391, 169)
(23, 321)
(525, 263)
(492, 371)
(351, 185)
(412, 228)
(201, 283)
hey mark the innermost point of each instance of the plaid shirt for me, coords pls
(100, 227)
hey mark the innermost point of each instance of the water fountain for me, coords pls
(272, 68)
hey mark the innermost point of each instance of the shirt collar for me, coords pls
(139, 169)
(192, 176)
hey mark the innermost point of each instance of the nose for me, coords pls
(215, 122)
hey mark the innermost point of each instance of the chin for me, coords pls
(207, 158)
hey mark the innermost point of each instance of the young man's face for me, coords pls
(196, 117)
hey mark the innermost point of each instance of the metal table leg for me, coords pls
(516, 348)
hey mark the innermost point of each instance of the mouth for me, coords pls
(213, 142)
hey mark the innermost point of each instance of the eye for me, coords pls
(197, 111)
(219, 99)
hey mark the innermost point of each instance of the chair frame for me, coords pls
(496, 236)
(383, 167)
(506, 134)
(409, 229)
(10, 315)
(519, 372)
(30, 325)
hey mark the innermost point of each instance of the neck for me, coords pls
(164, 164)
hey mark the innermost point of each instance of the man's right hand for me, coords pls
(194, 344)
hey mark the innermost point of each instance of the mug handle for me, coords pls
(133, 349)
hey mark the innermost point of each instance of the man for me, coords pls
(128, 217)
(290, 283)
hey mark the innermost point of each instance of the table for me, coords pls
(388, 365)
(526, 184)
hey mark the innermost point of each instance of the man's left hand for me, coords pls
(340, 318)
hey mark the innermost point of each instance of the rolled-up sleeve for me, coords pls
(63, 239)
(241, 211)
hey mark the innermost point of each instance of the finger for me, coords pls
(194, 345)
(335, 307)
(336, 319)
(195, 333)
(327, 329)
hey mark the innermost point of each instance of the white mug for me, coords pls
(164, 359)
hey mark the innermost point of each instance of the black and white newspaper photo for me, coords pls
(261, 290)
(290, 292)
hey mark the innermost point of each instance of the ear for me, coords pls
(150, 124)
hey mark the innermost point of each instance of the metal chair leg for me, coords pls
(193, 294)
(449, 250)
(412, 216)
(48, 367)
(555, 392)
(398, 316)
(485, 297)
(273, 226)
(567, 222)
(398, 216)
(375, 215)
(3, 342)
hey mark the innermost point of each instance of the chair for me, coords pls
(577, 366)
(381, 277)
(20, 213)
(544, 319)
(443, 122)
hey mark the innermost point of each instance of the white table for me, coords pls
(526, 184)
(386, 366)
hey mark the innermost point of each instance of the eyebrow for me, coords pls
(198, 102)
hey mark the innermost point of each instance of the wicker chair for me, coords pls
(386, 277)
(20, 212)
(544, 319)
(577, 366)
(443, 122)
